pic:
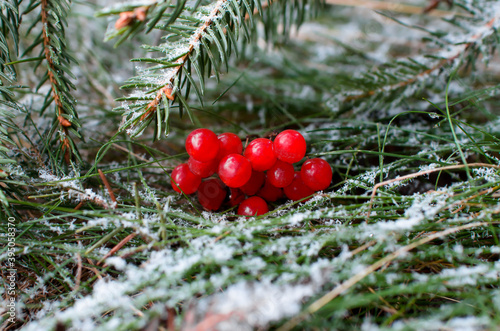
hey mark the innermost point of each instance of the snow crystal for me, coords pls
(459, 249)
(429, 167)
(489, 174)
(495, 249)
(116, 262)
(106, 294)
(464, 275)
(424, 207)
(260, 303)
(297, 218)
(469, 323)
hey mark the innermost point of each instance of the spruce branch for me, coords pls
(459, 50)
(198, 44)
(6, 161)
(74, 189)
(389, 85)
(53, 18)
(9, 40)
(9, 24)
(167, 89)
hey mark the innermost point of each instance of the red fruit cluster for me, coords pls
(264, 171)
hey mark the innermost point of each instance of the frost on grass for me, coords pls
(249, 305)
(424, 207)
(72, 188)
(257, 271)
(436, 323)
(489, 174)
(253, 272)
(283, 285)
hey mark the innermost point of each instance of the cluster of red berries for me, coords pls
(264, 172)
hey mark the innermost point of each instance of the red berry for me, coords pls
(297, 190)
(260, 153)
(235, 196)
(202, 145)
(280, 174)
(235, 170)
(211, 194)
(254, 183)
(187, 181)
(290, 146)
(203, 169)
(317, 174)
(229, 144)
(269, 192)
(253, 206)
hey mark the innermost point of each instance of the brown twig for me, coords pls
(222, 236)
(390, 309)
(78, 272)
(129, 17)
(487, 191)
(434, 3)
(96, 200)
(97, 273)
(83, 196)
(80, 205)
(361, 248)
(108, 187)
(171, 319)
(211, 320)
(134, 251)
(117, 247)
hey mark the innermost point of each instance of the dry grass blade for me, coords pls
(321, 302)
(117, 247)
(108, 187)
(423, 173)
(396, 7)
